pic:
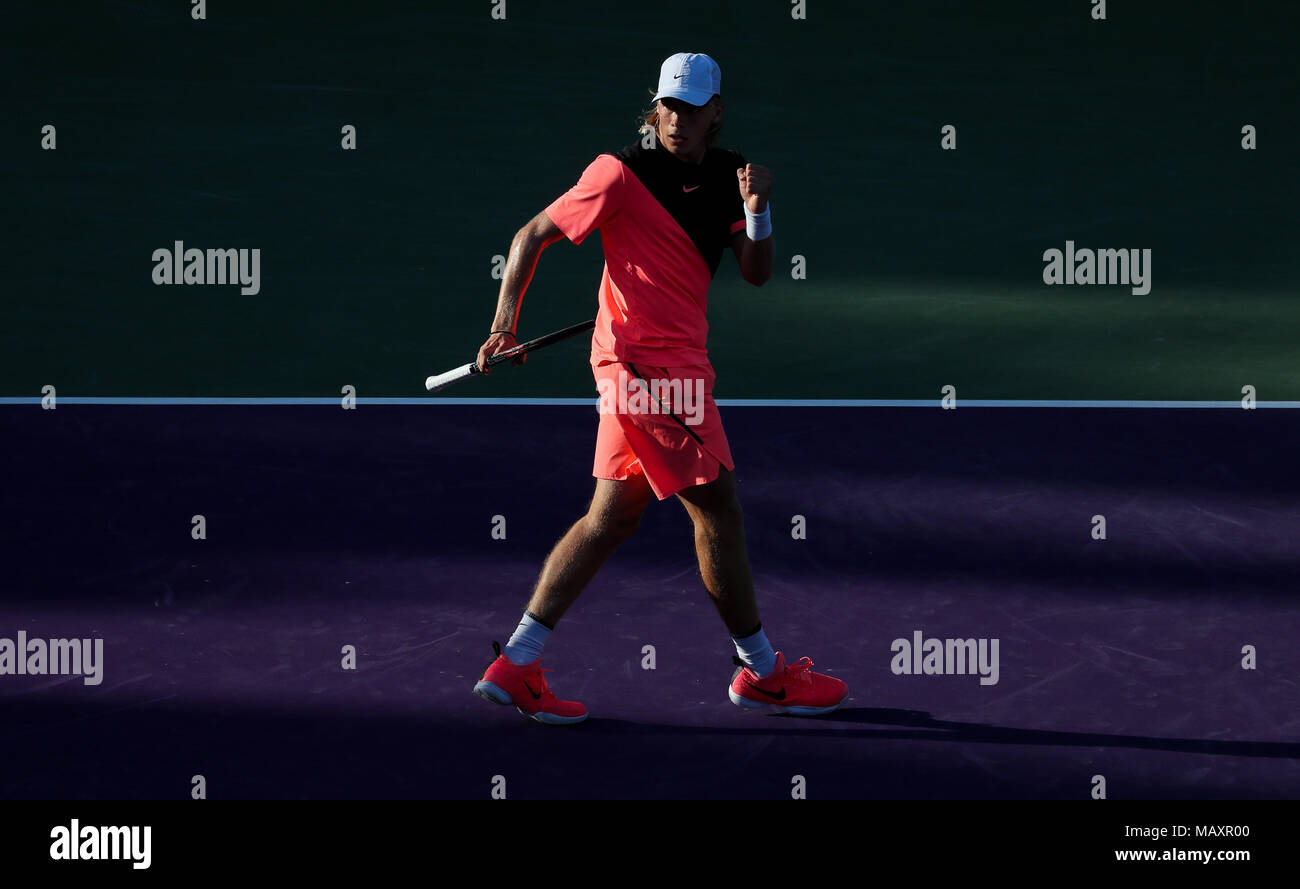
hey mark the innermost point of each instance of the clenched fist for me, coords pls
(755, 186)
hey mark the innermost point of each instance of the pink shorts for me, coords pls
(660, 422)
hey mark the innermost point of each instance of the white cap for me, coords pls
(690, 76)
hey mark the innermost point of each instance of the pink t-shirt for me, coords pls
(653, 294)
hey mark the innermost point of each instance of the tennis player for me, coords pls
(666, 214)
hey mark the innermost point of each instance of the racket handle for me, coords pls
(442, 380)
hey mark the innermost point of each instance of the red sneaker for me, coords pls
(505, 682)
(795, 688)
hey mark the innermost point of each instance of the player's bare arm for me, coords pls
(755, 257)
(525, 250)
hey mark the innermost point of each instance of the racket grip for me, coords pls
(442, 380)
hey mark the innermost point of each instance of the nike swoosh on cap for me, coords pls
(689, 190)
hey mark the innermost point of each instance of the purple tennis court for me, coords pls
(1161, 658)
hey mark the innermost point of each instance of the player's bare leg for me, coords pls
(516, 676)
(763, 677)
(614, 515)
(720, 547)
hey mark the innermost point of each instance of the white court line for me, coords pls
(593, 401)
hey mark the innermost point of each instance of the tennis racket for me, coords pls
(443, 380)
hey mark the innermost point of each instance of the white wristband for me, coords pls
(758, 225)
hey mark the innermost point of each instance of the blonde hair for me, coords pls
(649, 121)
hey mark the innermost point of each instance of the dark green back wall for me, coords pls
(924, 266)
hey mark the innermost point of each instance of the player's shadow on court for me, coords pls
(942, 730)
(993, 734)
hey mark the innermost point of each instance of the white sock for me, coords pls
(525, 646)
(756, 652)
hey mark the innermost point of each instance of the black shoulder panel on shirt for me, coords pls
(704, 198)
